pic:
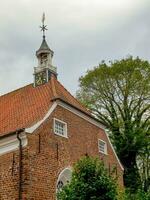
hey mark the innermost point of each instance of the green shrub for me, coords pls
(90, 181)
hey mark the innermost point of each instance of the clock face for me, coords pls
(40, 78)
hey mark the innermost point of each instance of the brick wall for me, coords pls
(48, 154)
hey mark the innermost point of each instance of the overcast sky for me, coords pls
(80, 32)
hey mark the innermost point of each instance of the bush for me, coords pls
(90, 181)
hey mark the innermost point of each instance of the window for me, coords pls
(63, 179)
(60, 128)
(102, 146)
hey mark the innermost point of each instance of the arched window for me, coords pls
(63, 178)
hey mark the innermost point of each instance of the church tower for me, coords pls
(45, 69)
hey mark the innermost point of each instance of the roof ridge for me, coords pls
(53, 87)
(73, 97)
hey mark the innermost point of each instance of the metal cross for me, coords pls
(43, 27)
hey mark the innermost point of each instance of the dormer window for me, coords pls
(102, 146)
(60, 128)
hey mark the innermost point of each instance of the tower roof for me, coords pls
(44, 48)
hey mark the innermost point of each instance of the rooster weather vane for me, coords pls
(43, 27)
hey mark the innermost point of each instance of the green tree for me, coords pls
(90, 181)
(143, 161)
(119, 96)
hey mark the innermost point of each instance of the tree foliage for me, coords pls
(143, 161)
(139, 195)
(119, 96)
(90, 180)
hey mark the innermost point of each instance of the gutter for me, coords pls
(20, 164)
(12, 133)
(18, 132)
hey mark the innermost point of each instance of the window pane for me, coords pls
(102, 147)
(60, 128)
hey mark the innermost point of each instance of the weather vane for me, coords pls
(43, 27)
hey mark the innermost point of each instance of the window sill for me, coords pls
(106, 154)
(64, 136)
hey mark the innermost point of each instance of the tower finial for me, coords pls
(44, 70)
(43, 27)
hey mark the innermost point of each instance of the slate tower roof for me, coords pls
(44, 48)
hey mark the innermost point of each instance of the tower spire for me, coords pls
(43, 27)
(45, 68)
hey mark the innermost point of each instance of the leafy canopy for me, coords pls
(119, 96)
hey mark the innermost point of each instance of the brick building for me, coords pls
(44, 130)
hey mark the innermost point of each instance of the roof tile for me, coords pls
(24, 107)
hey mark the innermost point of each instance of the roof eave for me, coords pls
(89, 115)
(12, 133)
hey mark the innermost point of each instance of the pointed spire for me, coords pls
(43, 27)
(44, 48)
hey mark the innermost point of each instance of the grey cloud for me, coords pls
(81, 33)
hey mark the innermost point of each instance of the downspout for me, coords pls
(20, 164)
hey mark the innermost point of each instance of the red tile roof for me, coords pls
(24, 107)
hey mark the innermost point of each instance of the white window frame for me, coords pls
(65, 125)
(65, 176)
(105, 146)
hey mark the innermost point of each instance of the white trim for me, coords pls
(80, 114)
(61, 175)
(47, 75)
(67, 168)
(105, 146)
(65, 124)
(92, 121)
(11, 143)
(35, 126)
(67, 107)
(76, 112)
(114, 151)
